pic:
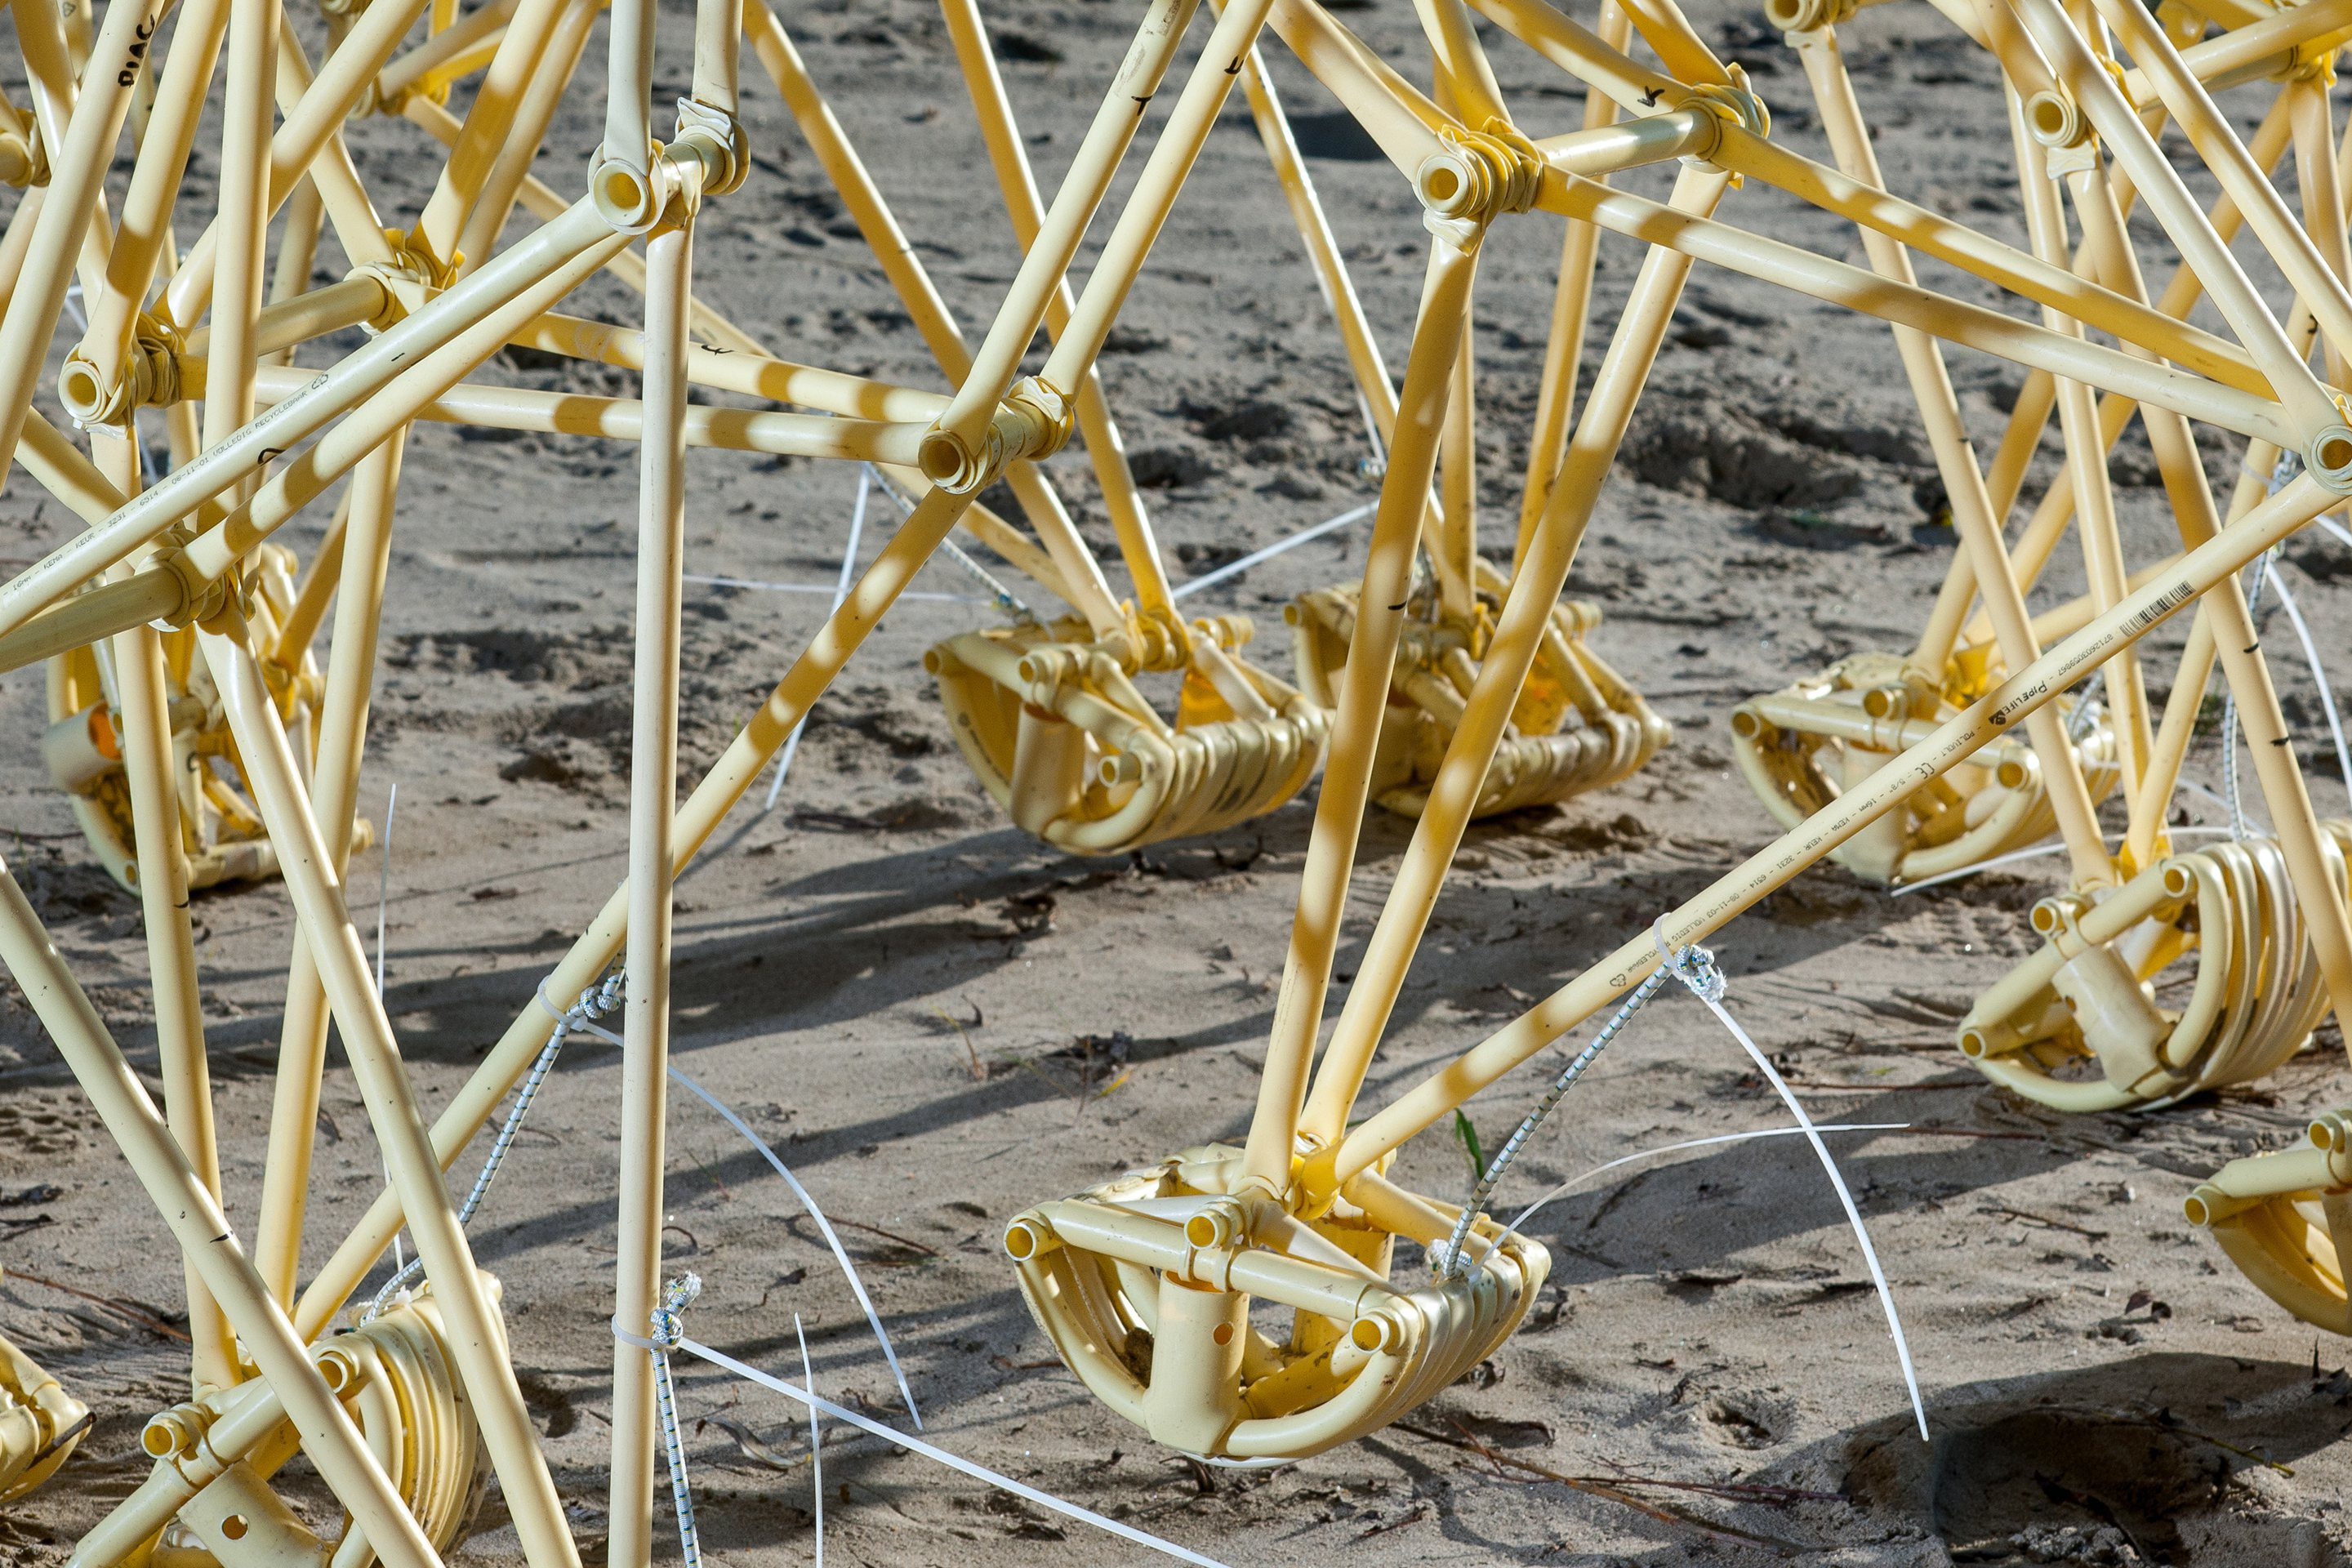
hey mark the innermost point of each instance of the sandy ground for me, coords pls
(938, 1022)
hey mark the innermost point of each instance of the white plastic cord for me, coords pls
(816, 1439)
(1694, 966)
(2230, 798)
(583, 1024)
(840, 591)
(1520, 1221)
(1305, 535)
(856, 1286)
(1002, 597)
(2319, 678)
(2343, 534)
(939, 1456)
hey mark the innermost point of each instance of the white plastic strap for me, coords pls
(1528, 1213)
(1706, 982)
(2319, 677)
(939, 1456)
(1305, 535)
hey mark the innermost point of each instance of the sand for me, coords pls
(938, 1022)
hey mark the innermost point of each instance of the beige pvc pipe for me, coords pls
(1464, 81)
(143, 719)
(653, 795)
(2030, 276)
(1571, 314)
(1502, 673)
(2283, 240)
(484, 129)
(486, 218)
(1362, 706)
(423, 66)
(623, 418)
(745, 758)
(1106, 450)
(2169, 203)
(352, 379)
(628, 97)
(2095, 525)
(1086, 590)
(2273, 46)
(343, 739)
(238, 288)
(476, 1339)
(1584, 55)
(1048, 257)
(78, 167)
(317, 118)
(155, 176)
(1771, 261)
(1774, 865)
(196, 1223)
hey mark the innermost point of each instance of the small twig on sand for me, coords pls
(887, 1235)
(2030, 1215)
(978, 1071)
(1612, 1489)
(120, 1308)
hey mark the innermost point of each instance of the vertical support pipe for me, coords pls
(342, 738)
(1363, 705)
(652, 790)
(145, 720)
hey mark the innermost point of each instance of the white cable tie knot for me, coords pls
(1694, 965)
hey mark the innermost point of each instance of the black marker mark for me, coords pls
(1650, 99)
(1400, 605)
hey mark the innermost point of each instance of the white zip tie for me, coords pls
(816, 1457)
(840, 591)
(937, 1455)
(1519, 1223)
(1305, 535)
(1695, 967)
(2319, 677)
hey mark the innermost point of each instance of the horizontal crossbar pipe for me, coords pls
(2265, 49)
(1989, 718)
(1972, 326)
(2160, 333)
(731, 370)
(623, 419)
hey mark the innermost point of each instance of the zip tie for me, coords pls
(817, 1459)
(1002, 597)
(1304, 536)
(2319, 678)
(1694, 966)
(937, 1455)
(668, 1329)
(1451, 1263)
(1528, 1213)
(840, 591)
(383, 887)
